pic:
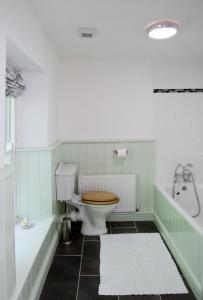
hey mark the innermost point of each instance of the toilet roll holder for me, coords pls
(116, 152)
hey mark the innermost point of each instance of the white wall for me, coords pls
(105, 99)
(20, 26)
(112, 99)
(31, 119)
(2, 86)
(178, 118)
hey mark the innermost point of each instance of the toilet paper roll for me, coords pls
(122, 153)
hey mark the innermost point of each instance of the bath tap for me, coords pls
(187, 173)
(186, 176)
(181, 176)
(178, 176)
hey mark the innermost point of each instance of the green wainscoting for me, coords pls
(58, 207)
(183, 239)
(99, 158)
(35, 200)
(7, 248)
(35, 172)
(35, 182)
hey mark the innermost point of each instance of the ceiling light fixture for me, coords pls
(162, 29)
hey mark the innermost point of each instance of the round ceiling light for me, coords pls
(162, 29)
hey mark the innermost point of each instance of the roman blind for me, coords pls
(15, 84)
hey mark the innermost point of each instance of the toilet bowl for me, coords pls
(92, 207)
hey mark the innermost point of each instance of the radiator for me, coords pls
(124, 186)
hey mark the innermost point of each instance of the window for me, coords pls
(9, 130)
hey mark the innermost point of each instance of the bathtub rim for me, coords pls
(161, 187)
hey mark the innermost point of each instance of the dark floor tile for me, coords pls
(76, 229)
(122, 224)
(62, 279)
(75, 248)
(90, 259)
(179, 270)
(76, 224)
(92, 238)
(88, 289)
(123, 230)
(108, 225)
(146, 226)
(189, 296)
(139, 297)
(187, 285)
(178, 297)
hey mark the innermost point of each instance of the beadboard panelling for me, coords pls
(7, 253)
(34, 184)
(184, 240)
(33, 187)
(98, 158)
(22, 202)
(45, 167)
(58, 207)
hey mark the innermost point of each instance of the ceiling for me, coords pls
(19, 59)
(120, 25)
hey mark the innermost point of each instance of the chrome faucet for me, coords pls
(182, 174)
(185, 174)
(178, 175)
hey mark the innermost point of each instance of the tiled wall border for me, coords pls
(178, 91)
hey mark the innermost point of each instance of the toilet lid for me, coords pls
(100, 198)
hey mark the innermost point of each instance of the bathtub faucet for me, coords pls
(177, 174)
(185, 174)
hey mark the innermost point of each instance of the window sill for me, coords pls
(27, 245)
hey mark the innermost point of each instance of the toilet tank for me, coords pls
(65, 181)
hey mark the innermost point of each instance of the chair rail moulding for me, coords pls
(151, 140)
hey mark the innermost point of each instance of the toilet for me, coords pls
(93, 207)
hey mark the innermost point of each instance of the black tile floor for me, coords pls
(74, 273)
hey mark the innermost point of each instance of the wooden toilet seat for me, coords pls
(100, 198)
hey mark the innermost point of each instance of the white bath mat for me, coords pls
(137, 264)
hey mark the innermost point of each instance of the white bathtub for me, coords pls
(182, 233)
(185, 201)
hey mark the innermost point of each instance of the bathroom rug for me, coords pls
(137, 264)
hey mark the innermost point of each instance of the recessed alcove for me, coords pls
(33, 178)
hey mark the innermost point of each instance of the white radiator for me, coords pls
(124, 186)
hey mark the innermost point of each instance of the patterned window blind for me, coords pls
(15, 85)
